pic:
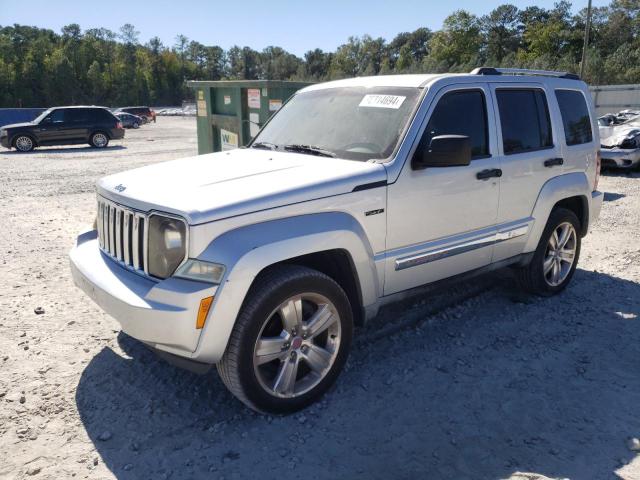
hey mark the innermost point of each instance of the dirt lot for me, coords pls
(474, 381)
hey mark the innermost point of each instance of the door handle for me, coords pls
(553, 161)
(489, 173)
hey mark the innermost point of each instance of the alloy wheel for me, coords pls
(560, 254)
(297, 345)
(24, 144)
(99, 140)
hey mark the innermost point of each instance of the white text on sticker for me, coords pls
(382, 101)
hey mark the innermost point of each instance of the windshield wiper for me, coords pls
(267, 145)
(310, 149)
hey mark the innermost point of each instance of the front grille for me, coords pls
(122, 234)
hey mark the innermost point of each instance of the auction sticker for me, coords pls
(382, 101)
(227, 99)
(253, 97)
(228, 140)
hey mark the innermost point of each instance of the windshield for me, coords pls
(39, 118)
(354, 123)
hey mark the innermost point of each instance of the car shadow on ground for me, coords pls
(498, 384)
(620, 172)
(612, 197)
(64, 150)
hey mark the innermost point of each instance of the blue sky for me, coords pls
(297, 26)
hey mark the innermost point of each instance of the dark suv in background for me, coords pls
(144, 112)
(64, 126)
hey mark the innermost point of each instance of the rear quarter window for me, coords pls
(575, 117)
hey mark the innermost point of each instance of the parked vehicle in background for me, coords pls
(144, 112)
(620, 140)
(128, 120)
(64, 126)
(260, 260)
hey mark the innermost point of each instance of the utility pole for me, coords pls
(587, 27)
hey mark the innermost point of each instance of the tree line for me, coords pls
(39, 67)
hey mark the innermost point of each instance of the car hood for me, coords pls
(220, 185)
(614, 135)
(18, 125)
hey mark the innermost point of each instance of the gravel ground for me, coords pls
(473, 380)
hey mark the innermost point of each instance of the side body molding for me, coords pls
(247, 250)
(558, 188)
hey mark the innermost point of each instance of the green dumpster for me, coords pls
(230, 113)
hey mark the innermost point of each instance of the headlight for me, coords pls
(3, 133)
(167, 245)
(201, 271)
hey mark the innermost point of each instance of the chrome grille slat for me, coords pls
(120, 231)
(135, 236)
(125, 238)
(119, 234)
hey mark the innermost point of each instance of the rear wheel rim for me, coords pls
(297, 345)
(99, 140)
(24, 144)
(560, 254)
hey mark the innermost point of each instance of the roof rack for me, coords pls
(523, 71)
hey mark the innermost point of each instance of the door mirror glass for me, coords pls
(444, 151)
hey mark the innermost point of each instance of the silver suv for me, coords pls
(260, 260)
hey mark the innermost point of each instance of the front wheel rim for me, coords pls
(99, 140)
(24, 144)
(297, 345)
(560, 254)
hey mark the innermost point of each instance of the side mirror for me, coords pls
(46, 120)
(444, 151)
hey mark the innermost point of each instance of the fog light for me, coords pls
(201, 271)
(203, 311)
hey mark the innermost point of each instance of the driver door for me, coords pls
(50, 129)
(441, 220)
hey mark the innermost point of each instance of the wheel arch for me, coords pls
(570, 191)
(333, 243)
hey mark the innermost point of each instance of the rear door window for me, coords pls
(461, 112)
(77, 115)
(575, 117)
(524, 118)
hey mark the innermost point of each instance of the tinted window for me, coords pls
(77, 115)
(460, 113)
(100, 115)
(575, 117)
(524, 118)
(57, 116)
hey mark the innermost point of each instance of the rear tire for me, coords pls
(290, 341)
(24, 143)
(136, 125)
(99, 140)
(556, 257)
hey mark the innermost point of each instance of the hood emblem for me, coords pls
(120, 188)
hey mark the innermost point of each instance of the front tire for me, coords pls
(99, 140)
(24, 143)
(556, 257)
(290, 341)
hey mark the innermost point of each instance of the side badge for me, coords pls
(374, 212)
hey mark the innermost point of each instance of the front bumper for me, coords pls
(620, 157)
(162, 314)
